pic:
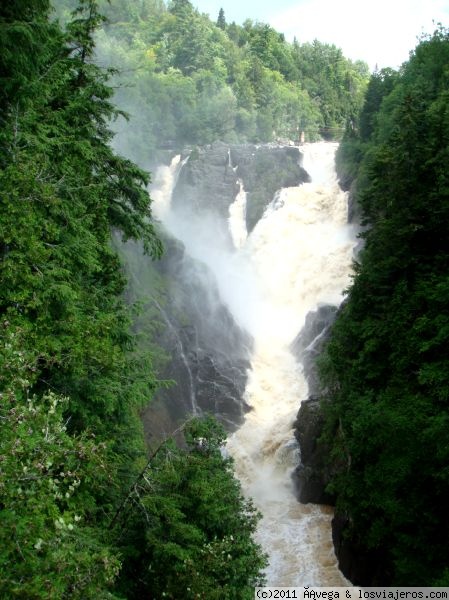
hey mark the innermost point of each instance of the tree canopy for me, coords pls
(386, 366)
(72, 376)
(190, 80)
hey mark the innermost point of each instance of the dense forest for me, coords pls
(85, 511)
(386, 369)
(191, 80)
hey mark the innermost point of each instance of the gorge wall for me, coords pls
(262, 239)
(214, 174)
(313, 474)
(207, 351)
(253, 243)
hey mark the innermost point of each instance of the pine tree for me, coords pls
(63, 190)
(188, 525)
(387, 362)
(221, 21)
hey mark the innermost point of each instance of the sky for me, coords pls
(380, 32)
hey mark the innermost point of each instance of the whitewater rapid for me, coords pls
(298, 256)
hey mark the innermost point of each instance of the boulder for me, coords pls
(309, 343)
(312, 475)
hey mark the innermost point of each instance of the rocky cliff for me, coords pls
(309, 343)
(208, 354)
(212, 176)
(205, 355)
(313, 473)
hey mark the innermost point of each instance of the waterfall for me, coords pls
(185, 362)
(237, 218)
(163, 186)
(298, 256)
(301, 251)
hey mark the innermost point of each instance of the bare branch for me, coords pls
(134, 486)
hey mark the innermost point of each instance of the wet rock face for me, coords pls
(208, 353)
(309, 343)
(265, 170)
(361, 566)
(207, 181)
(313, 473)
(210, 179)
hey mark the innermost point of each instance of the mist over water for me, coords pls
(298, 256)
(237, 219)
(301, 251)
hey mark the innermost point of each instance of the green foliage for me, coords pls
(386, 366)
(24, 29)
(62, 190)
(380, 85)
(69, 456)
(66, 327)
(51, 544)
(72, 376)
(188, 80)
(189, 524)
(336, 84)
(221, 20)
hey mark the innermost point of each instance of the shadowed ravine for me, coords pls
(297, 256)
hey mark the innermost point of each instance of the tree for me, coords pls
(51, 541)
(386, 366)
(221, 21)
(24, 32)
(68, 456)
(380, 85)
(189, 525)
(63, 189)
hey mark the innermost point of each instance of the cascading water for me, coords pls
(182, 355)
(301, 251)
(298, 256)
(237, 218)
(162, 188)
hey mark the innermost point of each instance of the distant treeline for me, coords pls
(186, 79)
(386, 369)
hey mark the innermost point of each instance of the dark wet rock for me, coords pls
(309, 343)
(208, 352)
(354, 208)
(313, 473)
(359, 565)
(316, 470)
(264, 170)
(209, 181)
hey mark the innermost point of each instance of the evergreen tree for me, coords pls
(61, 184)
(387, 362)
(72, 380)
(221, 21)
(24, 35)
(189, 525)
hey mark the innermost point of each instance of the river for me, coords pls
(298, 256)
